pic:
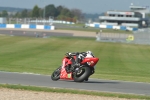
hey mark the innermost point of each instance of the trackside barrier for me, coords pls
(27, 26)
(51, 21)
(111, 27)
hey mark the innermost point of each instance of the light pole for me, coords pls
(44, 12)
(44, 9)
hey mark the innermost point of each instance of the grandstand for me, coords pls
(136, 17)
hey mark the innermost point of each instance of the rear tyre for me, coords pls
(56, 74)
(82, 74)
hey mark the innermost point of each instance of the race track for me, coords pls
(92, 84)
(33, 33)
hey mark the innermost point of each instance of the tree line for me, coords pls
(49, 11)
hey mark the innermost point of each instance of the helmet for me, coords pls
(90, 52)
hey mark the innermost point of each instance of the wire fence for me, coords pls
(141, 36)
(37, 21)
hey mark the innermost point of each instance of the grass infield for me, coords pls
(118, 61)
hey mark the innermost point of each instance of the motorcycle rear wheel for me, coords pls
(82, 74)
(56, 74)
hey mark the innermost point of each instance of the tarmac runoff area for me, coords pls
(46, 33)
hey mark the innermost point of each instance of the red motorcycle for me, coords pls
(78, 74)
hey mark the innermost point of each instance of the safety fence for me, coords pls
(37, 21)
(141, 36)
(114, 37)
(27, 26)
(51, 21)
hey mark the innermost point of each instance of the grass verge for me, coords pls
(80, 27)
(97, 30)
(118, 61)
(58, 90)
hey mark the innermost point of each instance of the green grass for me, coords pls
(79, 27)
(71, 91)
(39, 55)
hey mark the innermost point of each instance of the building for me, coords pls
(136, 17)
(3, 20)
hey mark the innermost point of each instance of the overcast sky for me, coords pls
(86, 6)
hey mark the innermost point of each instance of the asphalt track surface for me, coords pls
(92, 84)
(45, 81)
(33, 33)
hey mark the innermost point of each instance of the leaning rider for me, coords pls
(80, 56)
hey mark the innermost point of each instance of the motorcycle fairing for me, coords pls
(64, 74)
(90, 61)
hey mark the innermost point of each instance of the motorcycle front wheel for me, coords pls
(82, 74)
(56, 74)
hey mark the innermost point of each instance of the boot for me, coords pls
(86, 79)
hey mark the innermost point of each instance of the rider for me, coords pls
(80, 56)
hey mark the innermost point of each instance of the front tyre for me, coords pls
(56, 74)
(82, 74)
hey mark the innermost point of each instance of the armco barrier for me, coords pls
(111, 27)
(27, 26)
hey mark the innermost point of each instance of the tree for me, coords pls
(64, 11)
(50, 11)
(4, 13)
(69, 14)
(41, 12)
(18, 15)
(29, 14)
(11, 15)
(35, 11)
(59, 9)
(24, 13)
(61, 17)
(77, 13)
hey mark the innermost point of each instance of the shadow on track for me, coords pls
(101, 82)
(91, 82)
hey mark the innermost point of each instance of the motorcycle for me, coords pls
(78, 74)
